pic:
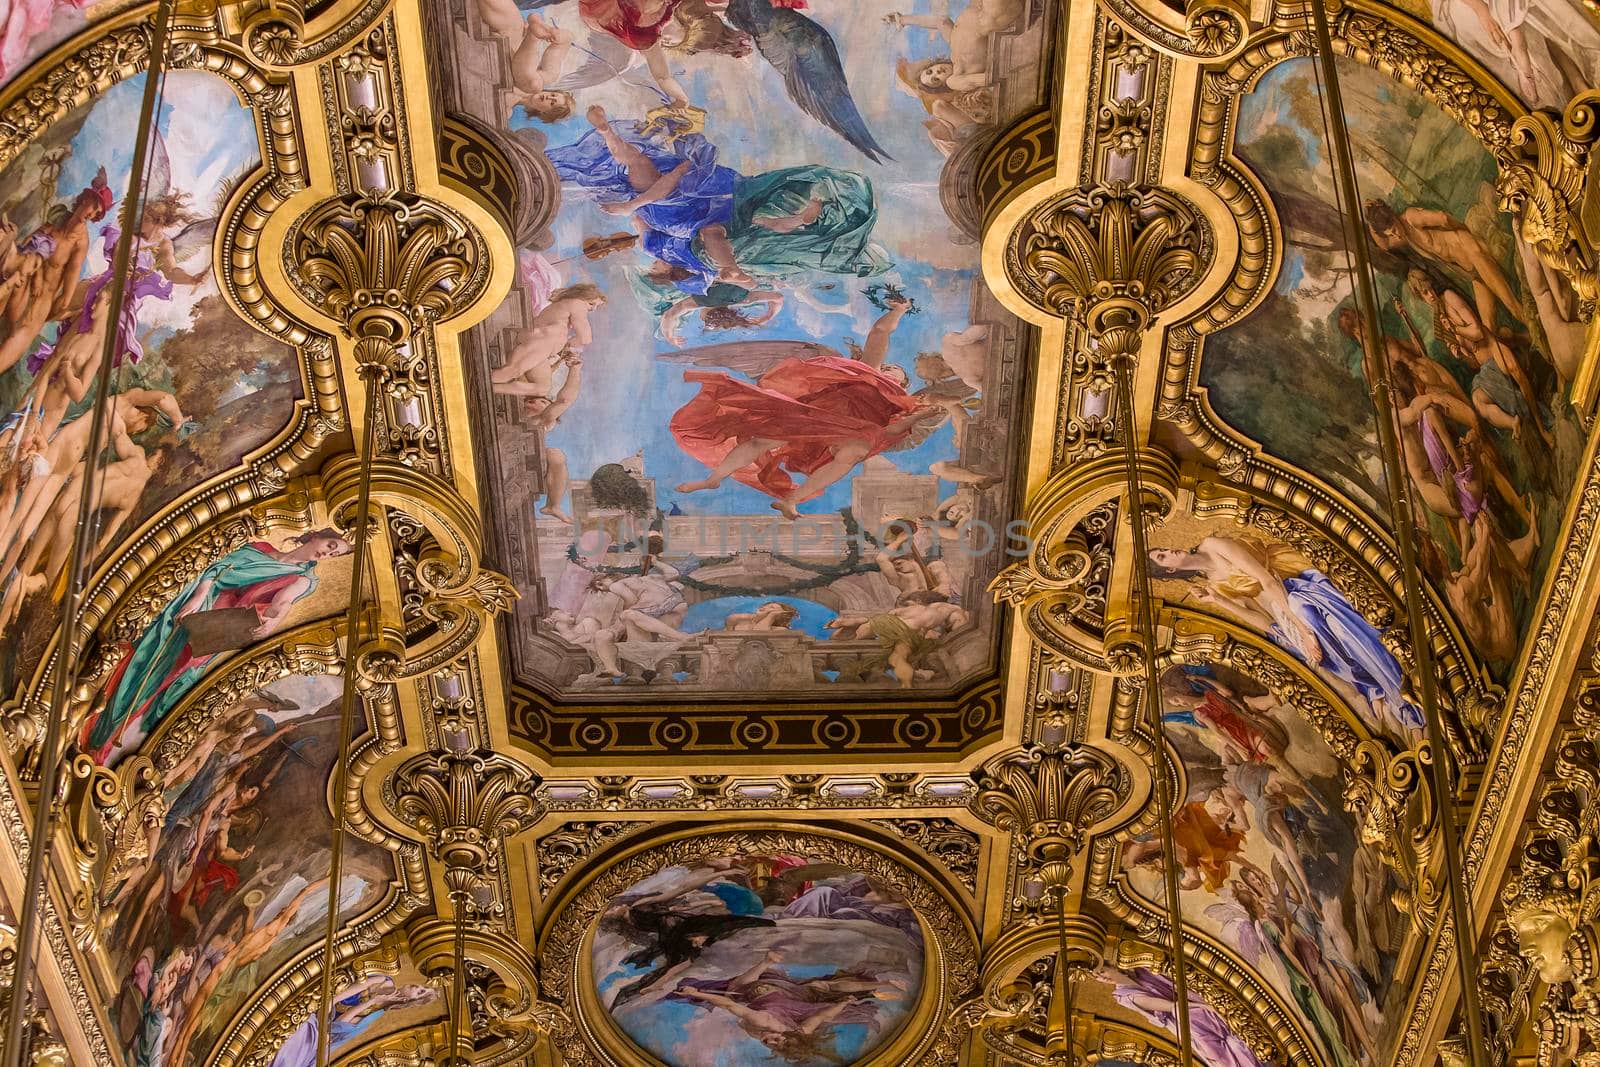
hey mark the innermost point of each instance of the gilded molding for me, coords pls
(1546, 180)
(464, 802)
(382, 264)
(1049, 800)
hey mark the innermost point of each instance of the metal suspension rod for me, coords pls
(1064, 983)
(34, 886)
(458, 980)
(371, 374)
(1400, 507)
(1123, 368)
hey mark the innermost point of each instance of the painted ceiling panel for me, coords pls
(236, 881)
(1546, 51)
(1272, 865)
(196, 388)
(751, 351)
(34, 27)
(1484, 342)
(718, 327)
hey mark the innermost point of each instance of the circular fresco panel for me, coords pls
(759, 960)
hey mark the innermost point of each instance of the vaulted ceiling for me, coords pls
(788, 532)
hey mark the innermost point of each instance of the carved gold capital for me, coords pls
(1049, 799)
(383, 264)
(1111, 257)
(464, 802)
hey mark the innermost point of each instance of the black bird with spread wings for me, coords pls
(804, 53)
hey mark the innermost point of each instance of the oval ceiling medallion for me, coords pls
(758, 959)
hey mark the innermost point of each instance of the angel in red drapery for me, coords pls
(810, 411)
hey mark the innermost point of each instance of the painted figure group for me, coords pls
(1474, 406)
(58, 316)
(723, 250)
(1269, 845)
(723, 937)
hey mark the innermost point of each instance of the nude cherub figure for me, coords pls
(547, 410)
(65, 377)
(968, 36)
(538, 50)
(560, 331)
(22, 458)
(1443, 238)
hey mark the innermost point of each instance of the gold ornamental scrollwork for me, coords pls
(1112, 257)
(1543, 966)
(1547, 179)
(465, 802)
(1049, 799)
(383, 264)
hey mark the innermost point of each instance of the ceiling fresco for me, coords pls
(1139, 993)
(1256, 580)
(370, 1008)
(196, 390)
(1543, 51)
(34, 27)
(765, 959)
(236, 879)
(1272, 865)
(1484, 342)
(645, 485)
(801, 485)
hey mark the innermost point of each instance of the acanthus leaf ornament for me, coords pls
(1048, 799)
(383, 263)
(465, 802)
(1111, 257)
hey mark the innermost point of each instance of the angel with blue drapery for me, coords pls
(711, 226)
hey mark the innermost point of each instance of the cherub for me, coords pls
(557, 333)
(547, 410)
(533, 68)
(968, 35)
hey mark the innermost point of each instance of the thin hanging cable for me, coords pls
(16, 1035)
(1152, 687)
(370, 376)
(1400, 507)
(1064, 982)
(458, 981)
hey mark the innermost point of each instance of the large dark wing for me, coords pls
(754, 358)
(804, 53)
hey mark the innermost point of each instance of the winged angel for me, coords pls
(630, 47)
(808, 410)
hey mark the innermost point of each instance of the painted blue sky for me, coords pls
(628, 397)
(208, 137)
